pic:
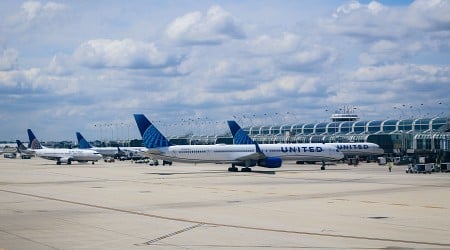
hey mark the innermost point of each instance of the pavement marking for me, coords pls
(231, 225)
(171, 234)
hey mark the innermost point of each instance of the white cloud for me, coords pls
(266, 45)
(31, 9)
(282, 87)
(60, 65)
(293, 57)
(35, 9)
(389, 85)
(127, 53)
(314, 58)
(8, 59)
(213, 28)
(430, 15)
(20, 78)
(375, 20)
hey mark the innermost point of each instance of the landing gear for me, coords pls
(58, 163)
(69, 162)
(233, 169)
(92, 163)
(323, 166)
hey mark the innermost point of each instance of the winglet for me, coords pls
(239, 135)
(82, 143)
(34, 143)
(151, 136)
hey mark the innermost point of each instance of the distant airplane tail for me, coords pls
(82, 143)
(20, 146)
(239, 135)
(151, 136)
(34, 143)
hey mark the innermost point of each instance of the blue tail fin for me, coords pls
(151, 136)
(20, 145)
(239, 135)
(82, 143)
(34, 143)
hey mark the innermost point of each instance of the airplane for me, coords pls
(347, 148)
(240, 137)
(104, 151)
(24, 150)
(62, 155)
(245, 155)
(358, 148)
(133, 151)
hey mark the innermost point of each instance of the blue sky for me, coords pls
(87, 66)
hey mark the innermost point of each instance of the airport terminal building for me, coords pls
(428, 137)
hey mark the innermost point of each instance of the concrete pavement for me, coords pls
(124, 205)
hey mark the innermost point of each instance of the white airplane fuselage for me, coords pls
(222, 153)
(106, 151)
(134, 150)
(67, 155)
(358, 148)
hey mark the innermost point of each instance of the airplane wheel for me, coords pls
(246, 170)
(58, 163)
(322, 168)
(232, 169)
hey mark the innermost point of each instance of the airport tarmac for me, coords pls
(123, 205)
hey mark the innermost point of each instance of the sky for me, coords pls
(191, 65)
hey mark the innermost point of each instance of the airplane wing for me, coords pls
(254, 156)
(258, 155)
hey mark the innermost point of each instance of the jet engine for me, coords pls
(270, 162)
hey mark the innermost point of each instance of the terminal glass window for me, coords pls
(297, 129)
(320, 127)
(360, 127)
(265, 130)
(405, 125)
(346, 127)
(308, 128)
(374, 126)
(421, 124)
(389, 126)
(285, 129)
(275, 130)
(438, 123)
(253, 131)
(333, 127)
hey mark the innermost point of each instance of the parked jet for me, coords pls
(240, 137)
(24, 150)
(358, 148)
(348, 149)
(246, 155)
(105, 151)
(133, 151)
(62, 155)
